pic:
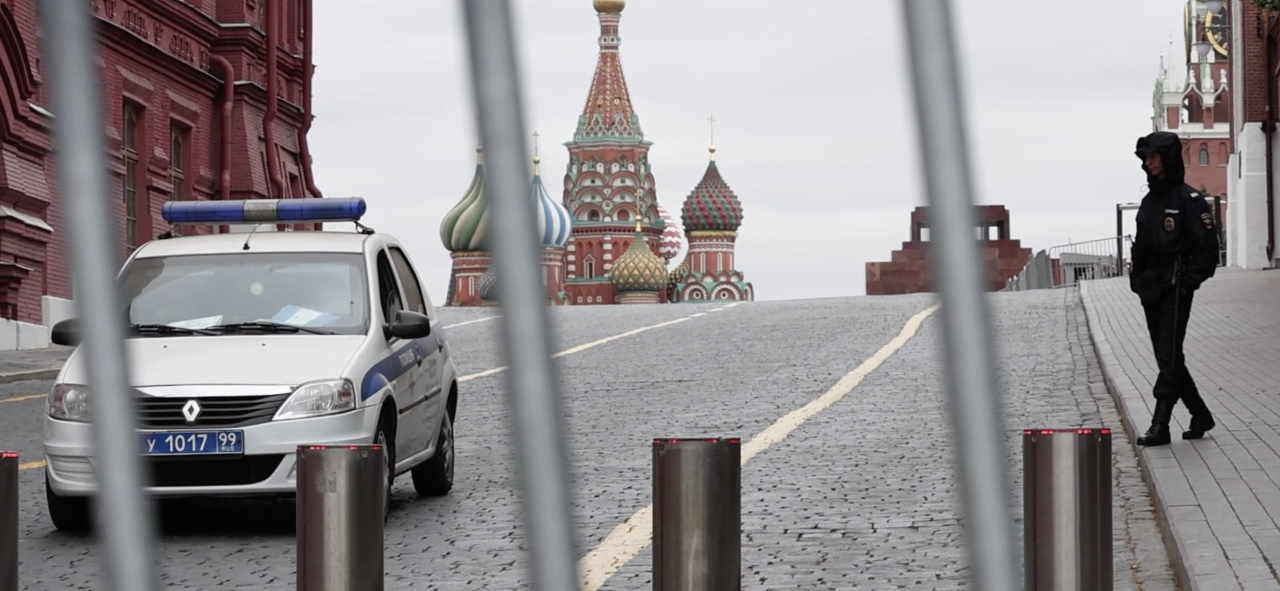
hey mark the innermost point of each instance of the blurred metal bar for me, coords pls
(69, 46)
(541, 452)
(958, 273)
(1066, 509)
(342, 493)
(697, 514)
(8, 521)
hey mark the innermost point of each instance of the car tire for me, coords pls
(434, 477)
(69, 514)
(386, 437)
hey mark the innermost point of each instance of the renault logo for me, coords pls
(191, 410)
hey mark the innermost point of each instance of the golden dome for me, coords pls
(638, 269)
(609, 6)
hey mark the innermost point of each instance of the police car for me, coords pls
(244, 346)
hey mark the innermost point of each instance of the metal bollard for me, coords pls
(1067, 509)
(341, 513)
(697, 514)
(8, 521)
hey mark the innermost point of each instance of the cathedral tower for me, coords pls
(712, 215)
(608, 183)
(464, 232)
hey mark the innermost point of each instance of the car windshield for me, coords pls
(317, 292)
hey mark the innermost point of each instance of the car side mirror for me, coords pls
(66, 333)
(409, 325)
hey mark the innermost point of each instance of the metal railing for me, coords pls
(127, 534)
(1069, 264)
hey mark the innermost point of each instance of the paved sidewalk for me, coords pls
(35, 364)
(1219, 497)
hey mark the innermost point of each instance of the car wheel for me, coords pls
(434, 477)
(69, 514)
(386, 437)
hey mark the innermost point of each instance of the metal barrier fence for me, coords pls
(127, 534)
(1069, 264)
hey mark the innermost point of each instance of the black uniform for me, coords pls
(1174, 251)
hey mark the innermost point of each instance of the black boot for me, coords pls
(1158, 434)
(1201, 421)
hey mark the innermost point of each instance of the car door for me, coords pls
(401, 358)
(428, 376)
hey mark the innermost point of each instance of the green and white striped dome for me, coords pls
(465, 227)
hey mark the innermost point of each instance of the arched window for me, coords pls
(593, 216)
(623, 215)
(1204, 156)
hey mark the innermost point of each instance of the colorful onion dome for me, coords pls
(638, 269)
(465, 227)
(712, 206)
(669, 246)
(609, 6)
(487, 287)
(555, 225)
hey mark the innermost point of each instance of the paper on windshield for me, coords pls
(299, 316)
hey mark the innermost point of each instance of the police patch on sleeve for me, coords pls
(1207, 218)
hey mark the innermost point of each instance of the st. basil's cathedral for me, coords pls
(609, 205)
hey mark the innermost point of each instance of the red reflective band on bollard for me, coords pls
(1067, 528)
(697, 516)
(9, 521)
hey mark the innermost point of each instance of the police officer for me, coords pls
(1175, 250)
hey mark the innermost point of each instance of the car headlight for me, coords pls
(69, 402)
(317, 399)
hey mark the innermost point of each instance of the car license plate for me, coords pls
(186, 443)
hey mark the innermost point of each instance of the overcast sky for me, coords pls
(813, 117)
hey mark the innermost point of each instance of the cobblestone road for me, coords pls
(860, 495)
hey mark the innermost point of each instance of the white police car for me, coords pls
(244, 346)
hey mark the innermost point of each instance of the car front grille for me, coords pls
(217, 412)
(233, 471)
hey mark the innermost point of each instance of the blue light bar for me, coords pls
(343, 209)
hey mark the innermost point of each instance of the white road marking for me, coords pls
(633, 535)
(583, 347)
(472, 321)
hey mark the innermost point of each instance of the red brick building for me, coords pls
(908, 269)
(202, 99)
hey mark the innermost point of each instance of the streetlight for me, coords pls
(1214, 6)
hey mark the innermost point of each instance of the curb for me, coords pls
(1172, 542)
(24, 376)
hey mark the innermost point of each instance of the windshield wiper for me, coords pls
(168, 329)
(268, 326)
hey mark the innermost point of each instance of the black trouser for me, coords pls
(1167, 317)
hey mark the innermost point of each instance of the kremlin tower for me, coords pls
(712, 215)
(464, 232)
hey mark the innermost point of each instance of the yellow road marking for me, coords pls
(31, 465)
(21, 398)
(585, 346)
(632, 536)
